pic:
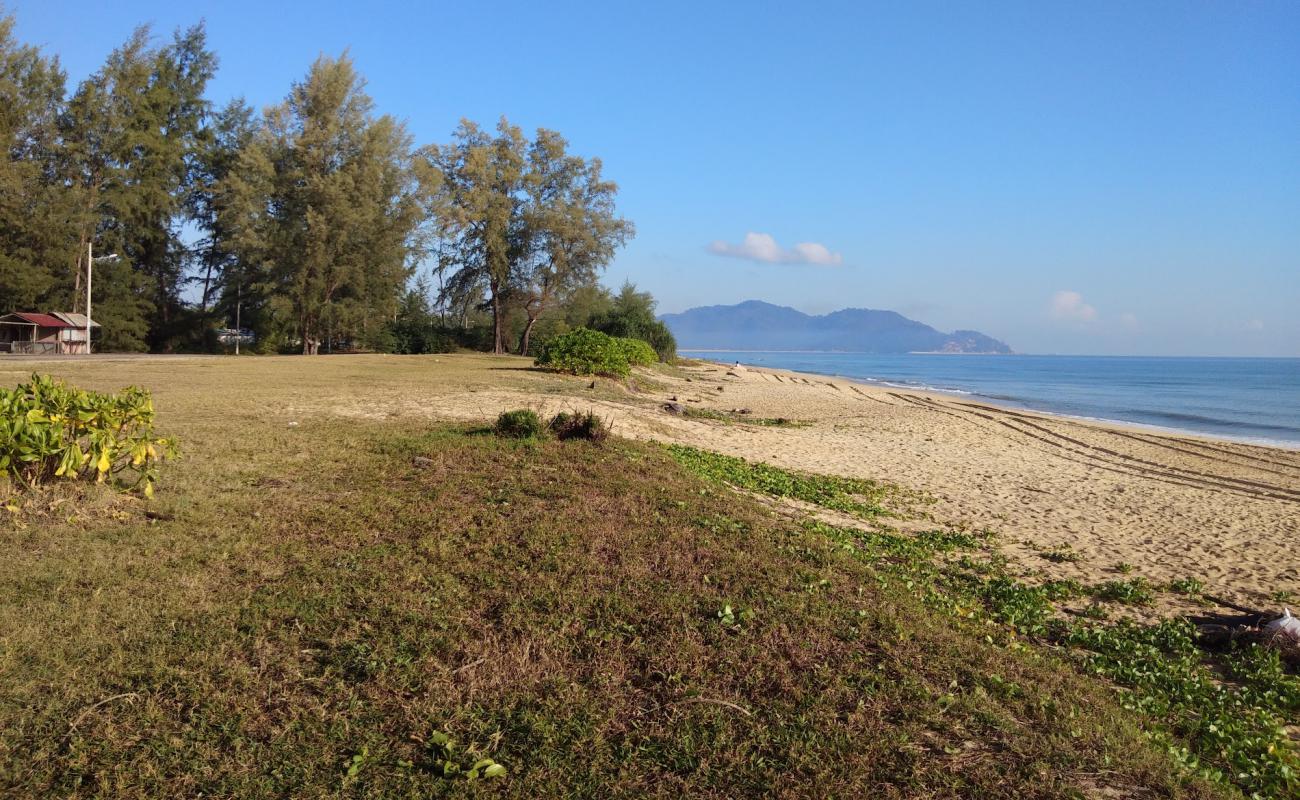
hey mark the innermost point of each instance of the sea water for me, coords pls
(1246, 399)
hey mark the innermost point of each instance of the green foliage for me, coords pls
(586, 426)
(51, 430)
(324, 196)
(1061, 554)
(113, 165)
(1130, 591)
(850, 495)
(733, 417)
(636, 352)
(585, 352)
(777, 422)
(450, 762)
(631, 315)
(1230, 733)
(1193, 587)
(519, 424)
(309, 215)
(733, 620)
(525, 221)
(36, 236)
(416, 329)
(1026, 609)
(1067, 589)
(131, 133)
(355, 763)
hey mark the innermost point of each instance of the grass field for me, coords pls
(357, 606)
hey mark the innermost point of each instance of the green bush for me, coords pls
(579, 426)
(583, 351)
(637, 352)
(519, 424)
(631, 314)
(51, 430)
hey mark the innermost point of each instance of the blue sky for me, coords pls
(1100, 177)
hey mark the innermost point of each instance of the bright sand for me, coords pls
(1171, 506)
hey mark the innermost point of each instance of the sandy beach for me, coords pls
(1121, 500)
(1169, 506)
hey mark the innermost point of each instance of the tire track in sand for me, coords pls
(1139, 465)
(1086, 457)
(1281, 492)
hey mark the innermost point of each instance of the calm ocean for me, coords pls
(1248, 399)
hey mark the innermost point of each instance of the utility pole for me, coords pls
(90, 264)
(239, 302)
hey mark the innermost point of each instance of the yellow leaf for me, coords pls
(104, 463)
(148, 489)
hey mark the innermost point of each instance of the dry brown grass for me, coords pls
(302, 594)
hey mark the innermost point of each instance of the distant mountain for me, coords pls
(755, 325)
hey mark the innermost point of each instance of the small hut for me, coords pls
(59, 333)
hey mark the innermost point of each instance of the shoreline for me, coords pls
(1165, 430)
(1068, 498)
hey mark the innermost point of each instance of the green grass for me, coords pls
(1223, 716)
(356, 607)
(519, 424)
(737, 418)
(849, 495)
(1062, 554)
(1129, 591)
(776, 422)
(560, 609)
(1191, 587)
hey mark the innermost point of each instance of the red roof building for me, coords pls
(60, 333)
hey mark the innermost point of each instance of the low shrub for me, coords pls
(1129, 591)
(51, 430)
(580, 426)
(637, 352)
(854, 496)
(583, 351)
(519, 424)
(1192, 587)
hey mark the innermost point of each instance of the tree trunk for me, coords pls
(207, 286)
(498, 342)
(523, 338)
(77, 269)
(310, 344)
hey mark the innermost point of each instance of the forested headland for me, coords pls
(318, 223)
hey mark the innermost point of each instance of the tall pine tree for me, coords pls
(527, 223)
(37, 255)
(131, 136)
(322, 209)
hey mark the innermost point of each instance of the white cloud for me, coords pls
(762, 247)
(1069, 305)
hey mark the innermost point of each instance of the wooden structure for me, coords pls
(59, 333)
